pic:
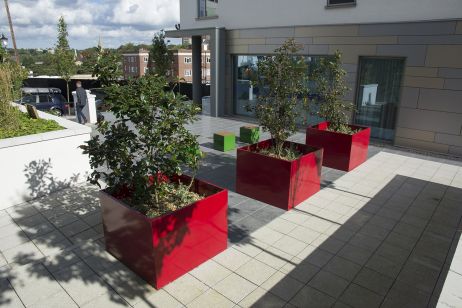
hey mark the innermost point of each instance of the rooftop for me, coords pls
(384, 234)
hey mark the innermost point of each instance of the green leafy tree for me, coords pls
(64, 58)
(329, 80)
(148, 137)
(107, 67)
(160, 57)
(282, 83)
(11, 79)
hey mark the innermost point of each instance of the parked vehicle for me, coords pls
(45, 99)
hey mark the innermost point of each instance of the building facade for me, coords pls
(403, 58)
(135, 64)
(182, 64)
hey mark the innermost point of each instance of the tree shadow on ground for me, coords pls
(394, 251)
(52, 250)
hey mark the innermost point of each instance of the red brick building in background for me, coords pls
(182, 64)
(135, 64)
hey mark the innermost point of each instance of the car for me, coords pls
(45, 99)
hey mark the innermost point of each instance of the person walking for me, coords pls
(81, 102)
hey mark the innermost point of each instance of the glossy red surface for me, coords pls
(341, 151)
(164, 248)
(278, 182)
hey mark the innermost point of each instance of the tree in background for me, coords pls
(64, 57)
(160, 57)
(107, 67)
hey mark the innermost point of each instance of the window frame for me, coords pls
(189, 60)
(335, 5)
(189, 74)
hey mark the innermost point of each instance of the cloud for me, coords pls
(116, 21)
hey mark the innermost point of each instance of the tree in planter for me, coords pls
(147, 144)
(282, 84)
(64, 58)
(329, 80)
(160, 57)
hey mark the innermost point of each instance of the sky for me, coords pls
(116, 21)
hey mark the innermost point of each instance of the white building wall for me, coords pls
(36, 165)
(242, 14)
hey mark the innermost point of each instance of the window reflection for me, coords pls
(378, 95)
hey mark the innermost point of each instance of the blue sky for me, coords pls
(116, 21)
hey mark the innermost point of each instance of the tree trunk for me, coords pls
(68, 100)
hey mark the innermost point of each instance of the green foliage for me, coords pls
(27, 126)
(64, 58)
(160, 57)
(11, 78)
(329, 80)
(4, 55)
(171, 198)
(288, 153)
(148, 137)
(107, 67)
(282, 84)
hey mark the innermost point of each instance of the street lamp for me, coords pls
(4, 41)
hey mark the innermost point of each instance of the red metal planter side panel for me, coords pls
(128, 237)
(277, 182)
(162, 249)
(359, 148)
(341, 151)
(190, 236)
(263, 178)
(306, 177)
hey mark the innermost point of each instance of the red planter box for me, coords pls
(164, 248)
(275, 181)
(341, 151)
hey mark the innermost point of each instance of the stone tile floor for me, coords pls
(384, 234)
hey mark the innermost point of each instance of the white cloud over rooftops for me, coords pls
(116, 21)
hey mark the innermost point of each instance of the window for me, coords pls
(134, 69)
(187, 60)
(340, 2)
(245, 94)
(208, 8)
(207, 72)
(187, 73)
(43, 98)
(207, 59)
(145, 70)
(146, 59)
(378, 94)
(29, 99)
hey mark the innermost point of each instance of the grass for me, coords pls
(28, 126)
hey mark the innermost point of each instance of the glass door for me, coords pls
(378, 94)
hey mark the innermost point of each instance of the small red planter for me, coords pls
(341, 151)
(275, 181)
(164, 248)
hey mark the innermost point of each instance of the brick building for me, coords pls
(182, 64)
(135, 64)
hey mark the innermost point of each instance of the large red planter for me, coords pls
(164, 248)
(275, 181)
(341, 151)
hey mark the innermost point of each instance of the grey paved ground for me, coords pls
(384, 235)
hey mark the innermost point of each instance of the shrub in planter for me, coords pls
(345, 146)
(157, 221)
(276, 171)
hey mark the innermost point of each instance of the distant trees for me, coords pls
(107, 67)
(64, 58)
(160, 56)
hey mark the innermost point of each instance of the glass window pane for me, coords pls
(378, 95)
